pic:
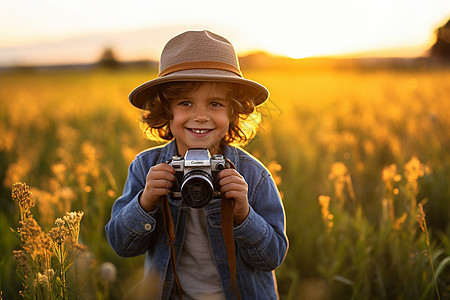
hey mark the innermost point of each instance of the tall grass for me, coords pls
(354, 153)
(45, 259)
(334, 129)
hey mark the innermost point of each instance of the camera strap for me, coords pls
(168, 226)
(227, 232)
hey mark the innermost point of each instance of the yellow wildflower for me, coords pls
(59, 170)
(327, 217)
(414, 169)
(73, 220)
(274, 168)
(389, 176)
(22, 195)
(338, 170)
(7, 139)
(339, 175)
(34, 241)
(17, 171)
(59, 233)
(59, 222)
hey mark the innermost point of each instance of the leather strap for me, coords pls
(227, 232)
(168, 225)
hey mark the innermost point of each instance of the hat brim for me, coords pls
(140, 95)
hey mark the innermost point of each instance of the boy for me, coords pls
(201, 100)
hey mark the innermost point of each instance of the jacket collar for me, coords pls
(168, 150)
(232, 154)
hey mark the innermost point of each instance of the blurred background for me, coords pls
(52, 32)
(356, 134)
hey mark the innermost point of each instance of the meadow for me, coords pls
(361, 157)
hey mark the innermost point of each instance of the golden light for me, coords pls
(59, 31)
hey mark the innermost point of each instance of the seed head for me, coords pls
(108, 272)
(73, 218)
(22, 261)
(42, 279)
(22, 195)
(59, 222)
(58, 234)
(34, 241)
(421, 218)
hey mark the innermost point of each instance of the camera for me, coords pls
(196, 177)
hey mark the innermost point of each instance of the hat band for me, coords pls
(200, 65)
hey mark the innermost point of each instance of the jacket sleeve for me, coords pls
(261, 238)
(130, 230)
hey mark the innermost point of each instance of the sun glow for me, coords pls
(350, 27)
(296, 29)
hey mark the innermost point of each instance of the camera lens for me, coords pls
(197, 188)
(220, 167)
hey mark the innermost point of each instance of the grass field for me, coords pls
(356, 155)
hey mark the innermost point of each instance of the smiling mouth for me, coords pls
(199, 131)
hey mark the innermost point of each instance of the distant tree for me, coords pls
(108, 59)
(441, 49)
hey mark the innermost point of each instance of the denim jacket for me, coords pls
(260, 241)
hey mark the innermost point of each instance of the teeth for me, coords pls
(200, 130)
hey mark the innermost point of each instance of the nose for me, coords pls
(201, 114)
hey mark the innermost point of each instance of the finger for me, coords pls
(229, 172)
(235, 195)
(230, 175)
(161, 174)
(233, 179)
(158, 192)
(162, 168)
(165, 167)
(238, 187)
(161, 183)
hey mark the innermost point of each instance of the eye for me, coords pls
(217, 104)
(185, 103)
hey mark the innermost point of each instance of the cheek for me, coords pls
(177, 118)
(223, 121)
(173, 126)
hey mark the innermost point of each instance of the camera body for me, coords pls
(196, 177)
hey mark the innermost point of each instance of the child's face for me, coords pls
(200, 118)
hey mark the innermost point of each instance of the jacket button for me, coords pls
(148, 226)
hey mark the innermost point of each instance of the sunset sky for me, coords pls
(69, 31)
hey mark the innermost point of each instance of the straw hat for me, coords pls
(198, 56)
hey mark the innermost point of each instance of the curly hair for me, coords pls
(244, 117)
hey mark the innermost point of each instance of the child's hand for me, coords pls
(158, 183)
(234, 187)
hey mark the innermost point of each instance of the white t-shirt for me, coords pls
(196, 269)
